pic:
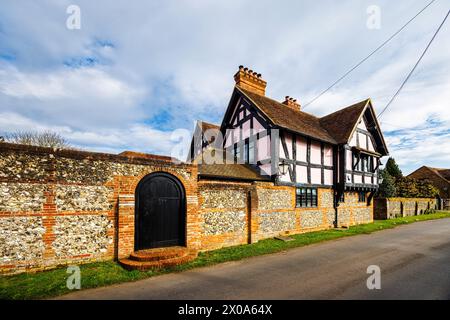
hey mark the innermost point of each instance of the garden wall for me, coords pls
(60, 207)
(388, 208)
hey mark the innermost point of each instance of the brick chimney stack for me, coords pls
(250, 80)
(292, 103)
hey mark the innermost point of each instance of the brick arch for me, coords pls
(126, 207)
(172, 221)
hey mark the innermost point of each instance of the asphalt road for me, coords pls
(414, 261)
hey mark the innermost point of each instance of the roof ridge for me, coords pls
(276, 101)
(347, 107)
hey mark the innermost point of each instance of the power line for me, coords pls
(371, 54)
(415, 66)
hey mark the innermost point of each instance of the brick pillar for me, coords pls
(252, 213)
(49, 221)
(193, 226)
(49, 212)
(126, 225)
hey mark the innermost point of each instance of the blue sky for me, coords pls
(138, 70)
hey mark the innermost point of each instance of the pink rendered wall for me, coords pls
(246, 129)
(263, 145)
(348, 159)
(228, 139)
(288, 140)
(353, 140)
(328, 155)
(281, 151)
(362, 141)
(370, 146)
(301, 174)
(301, 149)
(257, 126)
(316, 176)
(236, 134)
(316, 152)
(328, 177)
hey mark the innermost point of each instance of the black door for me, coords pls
(160, 212)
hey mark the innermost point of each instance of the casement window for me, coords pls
(237, 152)
(306, 197)
(361, 196)
(249, 151)
(364, 164)
(246, 151)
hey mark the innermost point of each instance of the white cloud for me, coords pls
(179, 58)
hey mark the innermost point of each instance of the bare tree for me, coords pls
(41, 139)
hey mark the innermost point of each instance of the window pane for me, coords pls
(251, 152)
(246, 152)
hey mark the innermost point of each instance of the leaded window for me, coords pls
(306, 197)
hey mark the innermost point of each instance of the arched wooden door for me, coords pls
(160, 212)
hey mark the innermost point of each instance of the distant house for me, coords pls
(440, 178)
(200, 140)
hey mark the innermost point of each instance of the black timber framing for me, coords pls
(287, 155)
(291, 159)
(308, 159)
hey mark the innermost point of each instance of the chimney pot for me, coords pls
(291, 103)
(250, 80)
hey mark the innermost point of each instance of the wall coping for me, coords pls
(406, 199)
(90, 155)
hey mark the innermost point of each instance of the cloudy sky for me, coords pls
(138, 70)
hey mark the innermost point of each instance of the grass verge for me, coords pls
(53, 283)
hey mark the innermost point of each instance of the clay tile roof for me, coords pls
(230, 171)
(206, 126)
(340, 124)
(288, 118)
(444, 173)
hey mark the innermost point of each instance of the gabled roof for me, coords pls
(335, 128)
(340, 124)
(288, 118)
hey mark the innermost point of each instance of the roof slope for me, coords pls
(444, 173)
(340, 124)
(206, 125)
(230, 171)
(288, 118)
